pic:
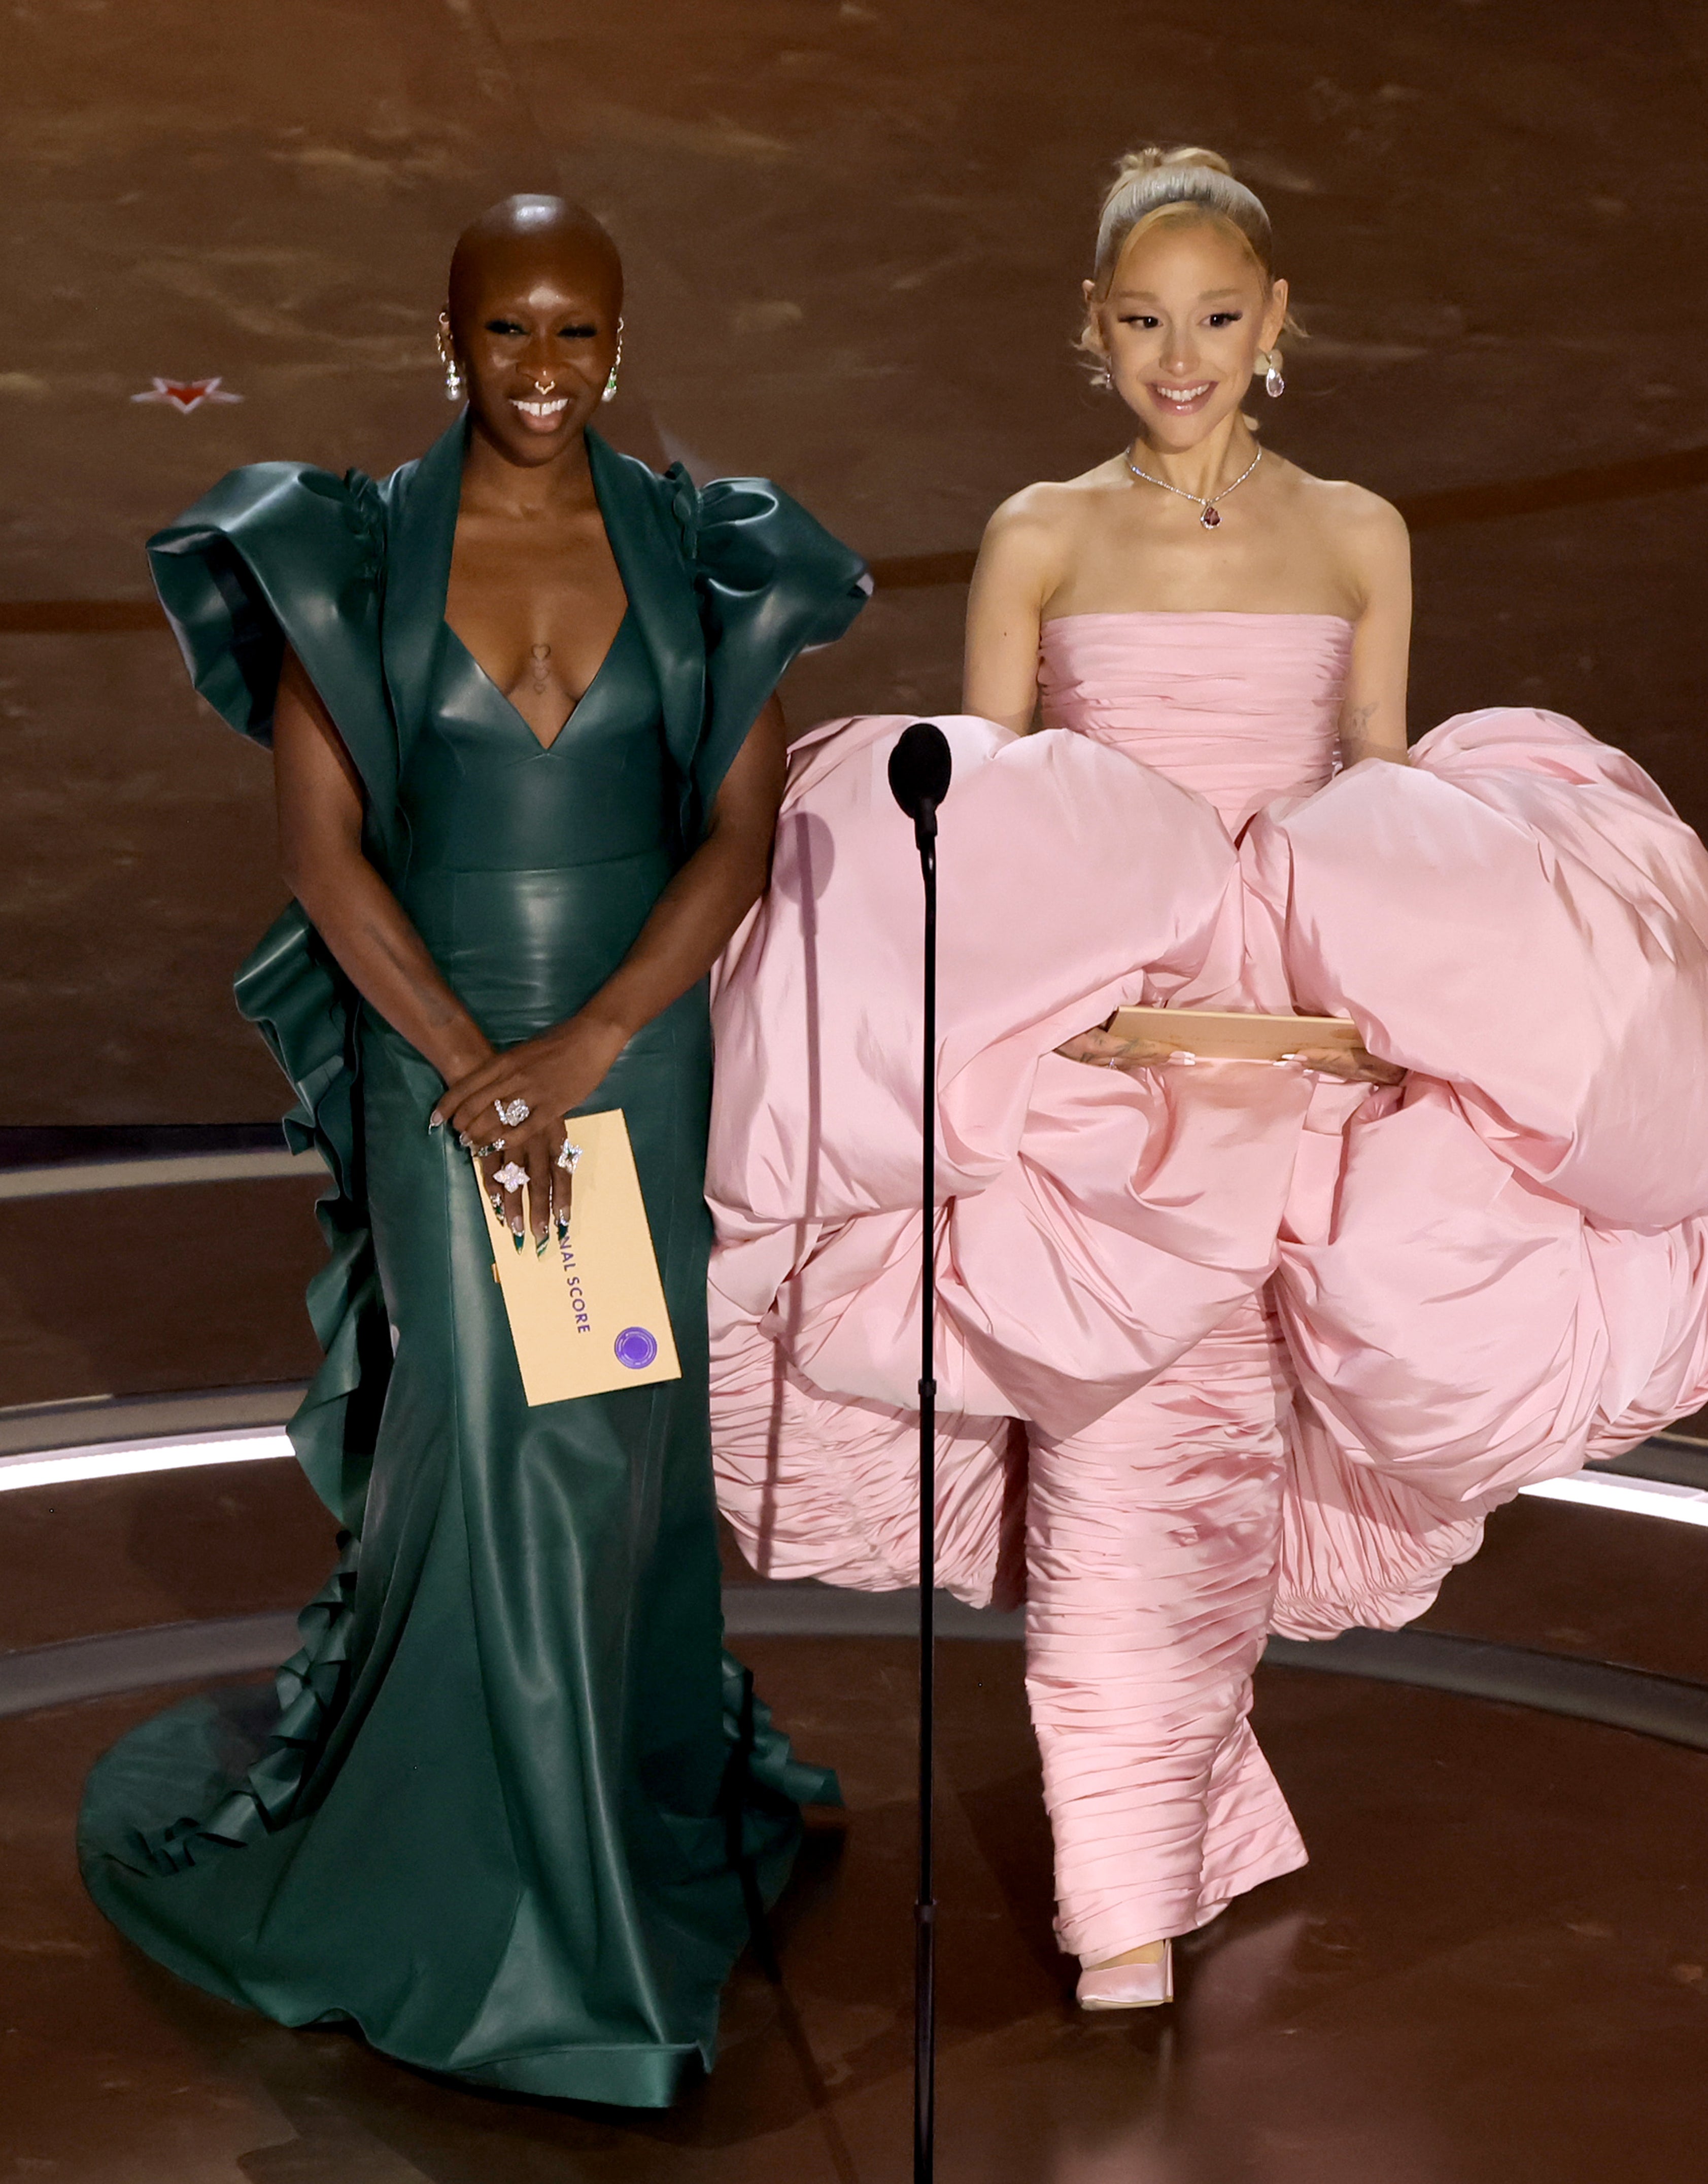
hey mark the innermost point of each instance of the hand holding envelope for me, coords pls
(587, 1314)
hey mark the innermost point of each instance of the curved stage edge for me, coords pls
(1670, 1708)
(165, 1432)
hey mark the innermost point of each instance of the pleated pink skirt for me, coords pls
(1151, 1547)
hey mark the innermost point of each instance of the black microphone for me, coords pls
(920, 769)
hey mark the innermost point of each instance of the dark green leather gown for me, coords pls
(501, 1809)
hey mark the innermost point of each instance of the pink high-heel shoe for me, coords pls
(1128, 1986)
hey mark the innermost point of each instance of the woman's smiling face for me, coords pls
(1187, 315)
(534, 320)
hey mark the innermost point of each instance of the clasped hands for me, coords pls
(551, 1074)
(1102, 1050)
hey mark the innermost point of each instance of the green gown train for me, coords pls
(506, 1809)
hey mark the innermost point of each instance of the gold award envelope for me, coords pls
(1236, 1034)
(590, 1315)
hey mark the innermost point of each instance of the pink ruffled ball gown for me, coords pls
(1225, 1349)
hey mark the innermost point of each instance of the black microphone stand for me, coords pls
(920, 768)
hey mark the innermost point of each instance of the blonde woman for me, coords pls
(1277, 1333)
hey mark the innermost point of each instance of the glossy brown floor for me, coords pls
(106, 1555)
(1496, 1968)
(1493, 1970)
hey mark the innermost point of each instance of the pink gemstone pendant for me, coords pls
(1210, 519)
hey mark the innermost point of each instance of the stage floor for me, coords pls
(1492, 1973)
(1495, 1971)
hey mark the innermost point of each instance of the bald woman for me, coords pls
(507, 1808)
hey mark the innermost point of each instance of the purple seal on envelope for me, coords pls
(636, 1348)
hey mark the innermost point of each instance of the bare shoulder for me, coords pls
(1350, 514)
(1032, 532)
(1045, 510)
(1055, 504)
(1361, 534)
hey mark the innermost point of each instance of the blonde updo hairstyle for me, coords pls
(1176, 187)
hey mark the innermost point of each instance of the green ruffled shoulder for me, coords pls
(771, 583)
(284, 554)
(729, 582)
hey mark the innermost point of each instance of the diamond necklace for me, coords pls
(1210, 518)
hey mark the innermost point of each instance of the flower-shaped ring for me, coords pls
(511, 1176)
(570, 1158)
(511, 1113)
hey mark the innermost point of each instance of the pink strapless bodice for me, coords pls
(1240, 708)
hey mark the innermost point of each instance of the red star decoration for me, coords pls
(186, 394)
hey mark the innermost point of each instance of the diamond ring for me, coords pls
(511, 1176)
(570, 1158)
(511, 1113)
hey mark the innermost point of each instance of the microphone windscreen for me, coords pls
(920, 768)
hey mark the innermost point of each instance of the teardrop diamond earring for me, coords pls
(610, 394)
(1273, 384)
(453, 369)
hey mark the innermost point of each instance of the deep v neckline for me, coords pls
(509, 703)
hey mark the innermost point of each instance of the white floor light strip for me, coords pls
(1635, 1498)
(62, 1466)
(155, 1171)
(122, 1459)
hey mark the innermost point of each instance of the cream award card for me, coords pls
(589, 1315)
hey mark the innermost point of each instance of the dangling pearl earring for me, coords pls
(610, 394)
(453, 369)
(1273, 384)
